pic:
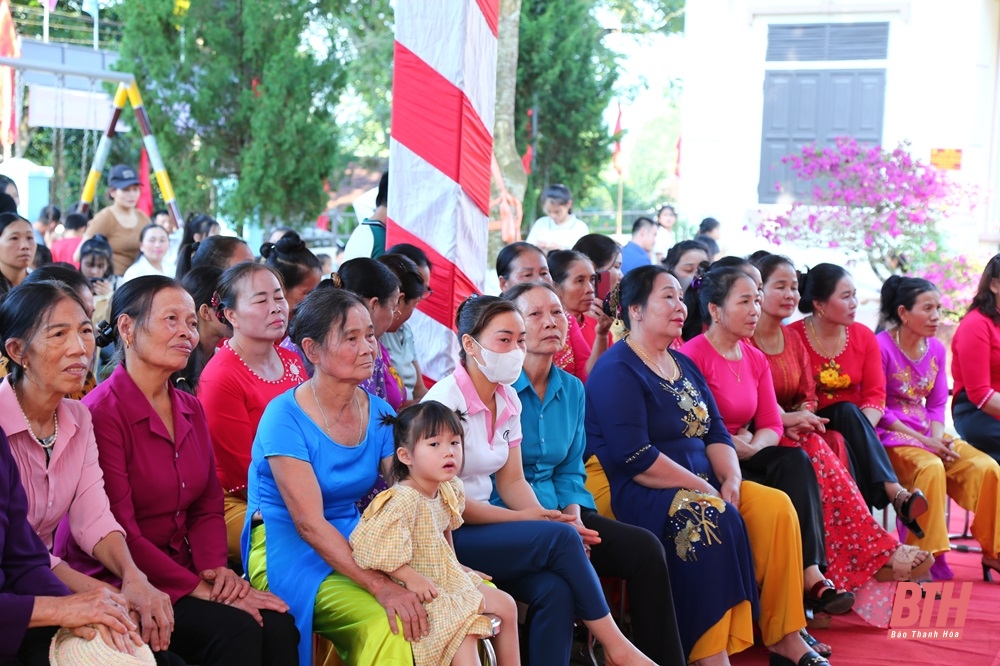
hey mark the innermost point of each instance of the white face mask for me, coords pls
(502, 368)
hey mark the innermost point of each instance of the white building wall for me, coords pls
(942, 80)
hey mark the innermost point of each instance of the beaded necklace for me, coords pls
(45, 442)
(290, 367)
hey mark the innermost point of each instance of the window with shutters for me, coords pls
(814, 106)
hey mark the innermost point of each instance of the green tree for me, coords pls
(566, 75)
(239, 90)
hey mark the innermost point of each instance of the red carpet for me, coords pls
(855, 642)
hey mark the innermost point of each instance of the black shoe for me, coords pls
(808, 659)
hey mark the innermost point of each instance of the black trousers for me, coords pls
(870, 465)
(35, 650)
(213, 634)
(976, 426)
(788, 469)
(636, 555)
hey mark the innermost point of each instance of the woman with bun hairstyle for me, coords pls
(219, 251)
(299, 268)
(201, 283)
(243, 376)
(975, 366)
(156, 454)
(846, 361)
(912, 427)
(379, 288)
(300, 272)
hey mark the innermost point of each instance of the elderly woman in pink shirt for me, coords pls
(49, 341)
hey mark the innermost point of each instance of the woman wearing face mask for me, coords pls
(121, 223)
(552, 454)
(153, 246)
(535, 554)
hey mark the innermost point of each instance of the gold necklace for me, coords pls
(319, 405)
(634, 346)
(821, 349)
(738, 361)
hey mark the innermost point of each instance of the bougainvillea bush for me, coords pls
(956, 277)
(882, 204)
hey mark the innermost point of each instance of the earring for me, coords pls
(128, 343)
(819, 313)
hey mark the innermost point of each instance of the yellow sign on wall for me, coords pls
(947, 158)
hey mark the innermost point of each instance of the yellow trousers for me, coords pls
(345, 615)
(234, 510)
(597, 484)
(972, 481)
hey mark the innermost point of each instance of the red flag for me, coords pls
(616, 155)
(145, 187)
(8, 49)
(677, 169)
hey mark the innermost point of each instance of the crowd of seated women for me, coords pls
(197, 505)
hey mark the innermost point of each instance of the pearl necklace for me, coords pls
(45, 442)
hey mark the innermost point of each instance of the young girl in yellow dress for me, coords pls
(406, 533)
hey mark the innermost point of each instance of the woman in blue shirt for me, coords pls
(318, 449)
(552, 411)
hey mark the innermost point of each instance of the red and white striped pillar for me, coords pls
(443, 93)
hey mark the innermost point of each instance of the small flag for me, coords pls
(145, 185)
(616, 155)
(52, 4)
(89, 7)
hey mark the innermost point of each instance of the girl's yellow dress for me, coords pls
(402, 526)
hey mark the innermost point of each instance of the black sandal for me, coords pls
(824, 597)
(915, 505)
(821, 648)
(810, 658)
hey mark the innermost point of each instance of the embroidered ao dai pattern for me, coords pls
(402, 526)
(856, 544)
(633, 418)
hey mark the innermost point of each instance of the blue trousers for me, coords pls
(542, 564)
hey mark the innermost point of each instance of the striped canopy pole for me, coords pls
(103, 150)
(443, 93)
(130, 93)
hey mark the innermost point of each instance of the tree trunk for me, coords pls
(503, 129)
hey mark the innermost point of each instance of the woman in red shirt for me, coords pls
(243, 376)
(975, 366)
(574, 278)
(846, 361)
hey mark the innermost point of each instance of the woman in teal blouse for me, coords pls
(552, 403)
